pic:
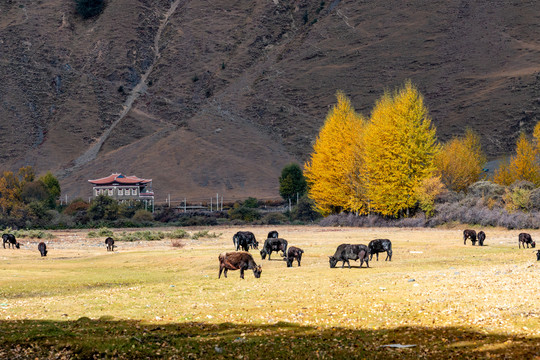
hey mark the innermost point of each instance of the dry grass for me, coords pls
(448, 299)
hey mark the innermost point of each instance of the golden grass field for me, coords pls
(151, 300)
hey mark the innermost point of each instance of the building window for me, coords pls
(120, 191)
(110, 192)
(134, 191)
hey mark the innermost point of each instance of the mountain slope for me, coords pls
(237, 89)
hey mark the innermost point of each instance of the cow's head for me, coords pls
(289, 261)
(333, 261)
(257, 271)
(18, 246)
(538, 255)
(263, 254)
(255, 244)
(533, 244)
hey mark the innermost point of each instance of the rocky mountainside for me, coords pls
(217, 96)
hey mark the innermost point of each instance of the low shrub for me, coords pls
(177, 243)
(102, 232)
(204, 234)
(177, 234)
(275, 218)
(32, 234)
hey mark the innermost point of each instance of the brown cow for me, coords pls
(294, 253)
(238, 260)
(469, 234)
(525, 238)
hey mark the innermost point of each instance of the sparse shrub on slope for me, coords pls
(90, 8)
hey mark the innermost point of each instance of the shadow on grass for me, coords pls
(105, 338)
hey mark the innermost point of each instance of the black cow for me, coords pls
(273, 244)
(238, 261)
(292, 254)
(525, 238)
(110, 243)
(245, 240)
(380, 245)
(273, 234)
(537, 255)
(469, 234)
(42, 248)
(346, 252)
(11, 241)
(481, 238)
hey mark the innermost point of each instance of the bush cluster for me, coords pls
(485, 204)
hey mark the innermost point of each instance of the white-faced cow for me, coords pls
(380, 245)
(42, 248)
(238, 260)
(469, 234)
(346, 252)
(11, 241)
(294, 253)
(273, 244)
(525, 239)
(110, 243)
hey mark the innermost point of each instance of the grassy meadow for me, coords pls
(149, 299)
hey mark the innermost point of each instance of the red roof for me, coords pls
(120, 179)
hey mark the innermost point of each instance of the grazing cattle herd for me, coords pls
(245, 240)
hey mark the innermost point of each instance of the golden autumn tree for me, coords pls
(459, 163)
(399, 147)
(522, 166)
(10, 192)
(536, 135)
(332, 167)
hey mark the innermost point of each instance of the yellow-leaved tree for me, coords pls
(459, 164)
(399, 149)
(332, 170)
(522, 166)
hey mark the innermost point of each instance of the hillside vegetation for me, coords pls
(223, 94)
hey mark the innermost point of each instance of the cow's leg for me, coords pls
(348, 263)
(464, 240)
(269, 253)
(377, 256)
(241, 273)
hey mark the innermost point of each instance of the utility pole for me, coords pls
(211, 204)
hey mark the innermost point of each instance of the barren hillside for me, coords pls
(207, 97)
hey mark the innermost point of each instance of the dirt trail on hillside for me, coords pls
(139, 89)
